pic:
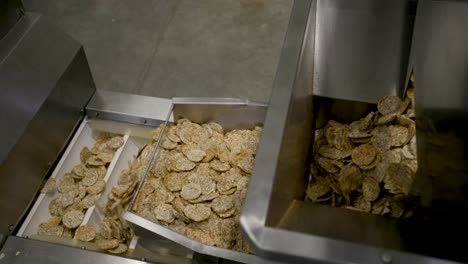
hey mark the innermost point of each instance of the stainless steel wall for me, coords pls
(45, 81)
(362, 48)
(440, 63)
(362, 53)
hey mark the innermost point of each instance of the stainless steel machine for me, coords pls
(338, 57)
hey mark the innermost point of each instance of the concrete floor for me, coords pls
(166, 48)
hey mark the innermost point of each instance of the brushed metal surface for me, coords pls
(231, 113)
(130, 108)
(277, 222)
(286, 95)
(298, 126)
(318, 249)
(440, 64)
(25, 251)
(45, 82)
(362, 48)
(147, 229)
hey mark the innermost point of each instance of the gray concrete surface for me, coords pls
(166, 48)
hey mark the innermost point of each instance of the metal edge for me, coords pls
(253, 215)
(22, 250)
(154, 154)
(187, 242)
(318, 249)
(129, 108)
(215, 101)
(410, 62)
(14, 35)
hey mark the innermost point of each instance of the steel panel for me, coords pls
(45, 83)
(275, 219)
(362, 48)
(24, 251)
(130, 108)
(440, 64)
(261, 189)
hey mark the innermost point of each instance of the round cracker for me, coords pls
(331, 152)
(381, 138)
(89, 200)
(165, 213)
(122, 248)
(329, 165)
(56, 208)
(197, 212)
(85, 154)
(191, 191)
(363, 154)
(168, 144)
(54, 220)
(215, 127)
(49, 230)
(184, 164)
(317, 190)
(65, 184)
(337, 136)
(399, 135)
(91, 176)
(108, 244)
(228, 213)
(195, 155)
(222, 204)
(81, 191)
(389, 104)
(171, 134)
(175, 181)
(219, 165)
(115, 142)
(245, 164)
(73, 219)
(383, 120)
(370, 189)
(206, 184)
(68, 198)
(79, 170)
(97, 187)
(101, 170)
(95, 161)
(67, 233)
(85, 233)
(106, 156)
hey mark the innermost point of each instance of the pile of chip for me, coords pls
(78, 190)
(370, 164)
(199, 180)
(114, 233)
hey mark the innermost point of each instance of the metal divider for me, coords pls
(233, 113)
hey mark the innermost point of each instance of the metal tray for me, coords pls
(134, 137)
(231, 114)
(160, 251)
